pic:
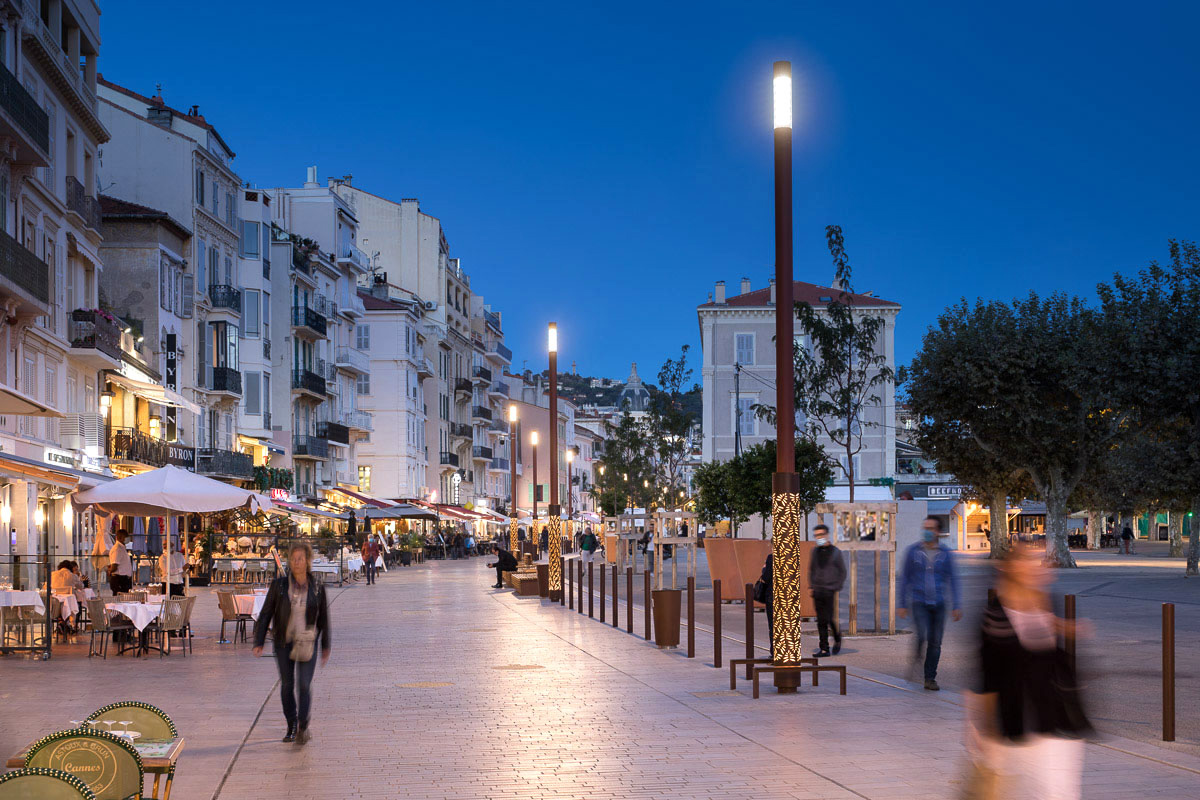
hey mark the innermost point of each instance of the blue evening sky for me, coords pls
(603, 164)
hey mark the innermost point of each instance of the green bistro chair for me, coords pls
(150, 721)
(35, 783)
(108, 764)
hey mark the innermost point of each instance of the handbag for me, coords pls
(304, 644)
(760, 591)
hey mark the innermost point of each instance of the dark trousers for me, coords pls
(930, 622)
(295, 678)
(369, 569)
(120, 583)
(499, 575)
(823, 600)
(173, 589)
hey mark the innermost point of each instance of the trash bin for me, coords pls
(665, 609)
(543, 573)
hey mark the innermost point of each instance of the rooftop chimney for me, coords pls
(720, 293)
(745, 286)
(311, 181)
(772, 301)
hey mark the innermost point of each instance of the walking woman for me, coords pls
(298, 613)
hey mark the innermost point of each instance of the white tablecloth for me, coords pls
(23, 599)
(70, 606)
(327, 567)
(354, 563)
(140, 614)
(249, 603)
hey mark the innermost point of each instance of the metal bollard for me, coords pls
(603, 597)
(571, 589)
(691, 593)
(1069, 633)
(579, 603)
(717, 623)
(749, 628)
(616, 622)
(629, 599)
(646, 602)
(591, 597)
(1168, 671)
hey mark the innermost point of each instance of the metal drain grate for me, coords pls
(726, 693)
(423, 685)
(520, 666)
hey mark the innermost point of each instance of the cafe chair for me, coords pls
(229, 614)
(116, 772)
(187, 621)
(131, 597)
(103, 627)
(170, 621)
(150, 721)
(37, 783)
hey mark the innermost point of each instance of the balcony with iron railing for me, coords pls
(499, 388)
(307, 320)
(498, 352)
(481, 374)
(499, 426)
(481, 413)
(69, 76)
(225, 297)
(462, 385)
(27, 124)
(94, 332)
(448, 459)
(309, 447)
(352, 360)
(304, 380)
(22, 272)
(492, 319)
(82, 204)
(224, 463)
(358, 419)
(499, 464)
(460, 429)
(333, 431)
(353, 306)
(351, 255)
(131, 444)
(481, 452)
(224, 379)
(424, 367)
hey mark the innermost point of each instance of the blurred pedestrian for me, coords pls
(370, 555)
(587, 546)
(1127, 540)
(505, 562)
(826, 575)
(927, 581)
(296, 611)
(1029, 719)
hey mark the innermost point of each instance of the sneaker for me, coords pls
(497, 585)
(822, 653)
(931, 686)
(290, 736)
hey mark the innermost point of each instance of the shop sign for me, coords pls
(59, 458)
(181, 456)
(946, 491)
(456, 487)
(280, 494)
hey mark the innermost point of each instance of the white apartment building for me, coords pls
(256, 425)
(177, 163)
(320, 340)
(392, 464)
(50, 234)
(738, 372)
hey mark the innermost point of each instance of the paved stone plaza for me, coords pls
(442, 688)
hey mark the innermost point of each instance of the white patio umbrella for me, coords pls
(168, 491)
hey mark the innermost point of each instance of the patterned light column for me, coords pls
(554, 540)
(786, 585)
(512, 535)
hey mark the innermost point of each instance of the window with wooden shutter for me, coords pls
(164, 284)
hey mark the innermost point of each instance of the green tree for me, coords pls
(713, 500)
(1035, 383)
(627, 464)
(669, 425)
(845, 372)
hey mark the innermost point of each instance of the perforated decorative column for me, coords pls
(554, 540)
(786, 585)
(512, 535)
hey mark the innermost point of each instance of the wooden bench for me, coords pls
(814, 669)
(525, 584)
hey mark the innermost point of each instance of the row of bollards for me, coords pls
(572, 596)
(1168, 658)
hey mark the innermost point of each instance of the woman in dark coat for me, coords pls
(295, 607)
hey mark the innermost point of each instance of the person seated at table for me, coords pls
(505, 562)
(170, 572)
(64, 580)
(78, 571)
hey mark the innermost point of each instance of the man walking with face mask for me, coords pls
(826, 574)
(928, 576)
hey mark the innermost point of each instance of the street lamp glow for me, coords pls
(553, 337)
(68, 518)
(533, 438)
(570, 456)
(512, 413)
(783, 94)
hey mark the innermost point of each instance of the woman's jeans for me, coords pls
(930, 622)
(292, 673)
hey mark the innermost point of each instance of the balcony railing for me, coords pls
(24, 109)
(130, 444)
(82, 203)
(482, 452)
(499, 426)
(353, 358)
(90, 328)
(350, 253)
(500, 387)
(23, 268)
(499, 350)
(70, 73)
(267, 347)
(362, 420)
(448, 459)
(463, 385)
(266, 415)
(499, 464)
(354, 306)
(210, 461)
(424, 366)
(307, 381)
(333, 431)
(492, 318)
(308, 318)
(301, 261)
(311, 446)
(460, 429)
(222, 296)
(480, 412)
(482, 373)
(225, 379)
(266, 267)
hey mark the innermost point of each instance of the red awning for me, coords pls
(362, 498)
(456, 512)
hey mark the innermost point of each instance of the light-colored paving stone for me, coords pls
(541, 702)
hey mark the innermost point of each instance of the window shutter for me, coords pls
(164, 285)
(189, 292)
(253, 396)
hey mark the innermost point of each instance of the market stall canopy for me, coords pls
(398, 512)
(165, 491)
(17, 404)
(590, 516)
(155, 393)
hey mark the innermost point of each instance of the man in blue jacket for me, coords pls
(928, 576)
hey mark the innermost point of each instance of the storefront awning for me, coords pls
(309, 510)
(154, 393)
(362, 498)
(17, 404)
(29, 470)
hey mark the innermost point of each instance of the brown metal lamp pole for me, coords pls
(512, 457)
(554, 536)
(533, 533)
(785, 499)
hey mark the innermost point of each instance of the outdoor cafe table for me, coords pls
(159, 757)
(22, 599)
(249, 603)
(70, 606)
(141, 615)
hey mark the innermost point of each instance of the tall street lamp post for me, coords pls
(570, 488)
(785, 484)
(554, 537)
(533, 532)
(512, 457)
